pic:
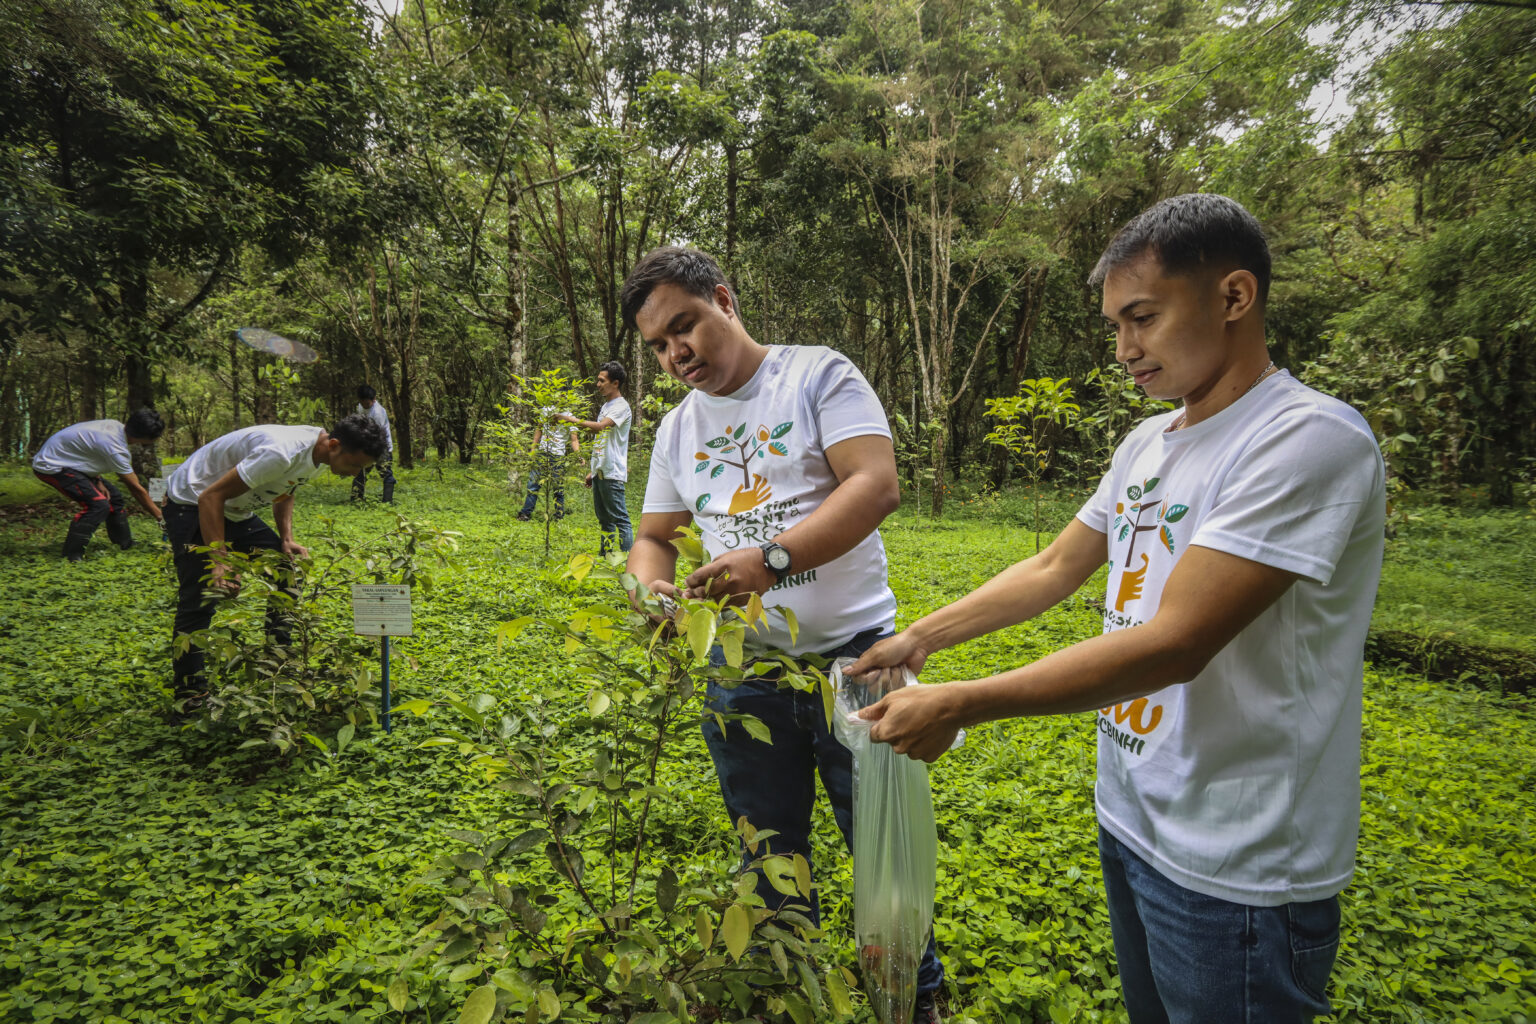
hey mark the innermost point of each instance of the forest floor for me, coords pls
(156, 872)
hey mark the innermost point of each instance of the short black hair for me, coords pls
(615, 371)
(358, 433)
(366, 393)
(695, 272)
(1190, 233)
(144, 423)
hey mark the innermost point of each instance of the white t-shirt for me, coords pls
(272, 459)
(93, 448)
(552, 432)
(610, 451)
(749, 465)
(376, 413)
(1244, 783)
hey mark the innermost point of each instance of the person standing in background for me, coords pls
(610, 456)
(549, 453)
(368, 405)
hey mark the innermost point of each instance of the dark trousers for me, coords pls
(774, 784)
(547, 467)
(385, 466)
(194, 608)
(99, 502)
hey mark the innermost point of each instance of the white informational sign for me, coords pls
(381, 610)
(157, 489)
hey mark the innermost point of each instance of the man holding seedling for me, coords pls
(75, 462)
(782, 457)
(1244, 537)
(213, 500)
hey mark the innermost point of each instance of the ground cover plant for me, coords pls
(155, 873)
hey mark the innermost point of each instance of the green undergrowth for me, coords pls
(152, 873)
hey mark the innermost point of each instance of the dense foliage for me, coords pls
(444, 197)
(152, 872)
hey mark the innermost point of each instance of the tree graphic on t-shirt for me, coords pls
(745, 445)
(1131, 580)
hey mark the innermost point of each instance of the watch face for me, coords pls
(778, 559)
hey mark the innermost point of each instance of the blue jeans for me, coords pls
(1186, 958)
(774, 785)
(545, 466)
(612, 515)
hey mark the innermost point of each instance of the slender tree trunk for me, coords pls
(516, 327)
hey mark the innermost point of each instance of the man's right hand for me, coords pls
(225, 579)
(665, 594)
(896, 652)
(588, 481)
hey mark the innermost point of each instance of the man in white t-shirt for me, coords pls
(214, 497)
(610, 456)
(549, 461)
(1244, 538)
(368, 405)
(782, 457)
(75, 462)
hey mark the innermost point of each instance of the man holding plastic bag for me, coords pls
(1244, 538)
(782, 457)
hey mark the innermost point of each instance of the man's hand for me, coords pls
(665, 594)
(738, 573)
(294, 548)
(892, 653)
(223, 578)
(919, 721)
(588, 481)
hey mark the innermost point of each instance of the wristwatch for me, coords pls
(776, 558)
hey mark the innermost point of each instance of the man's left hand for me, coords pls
(737, 573)
(918, 721)
(294, 548)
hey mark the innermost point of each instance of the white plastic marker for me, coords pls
(382, 610)
(157, 489)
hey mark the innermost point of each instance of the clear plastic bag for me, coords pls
(895, 851)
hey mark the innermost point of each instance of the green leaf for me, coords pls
(1148, 485)
(344, 736)
(782, 429)
(549, 1003)
(701, 467)
(1167, 536)
(756, 729)
(480, 1005)
(704, 927)
(597, 703)
(837, 993)
(717, 471)
(509, 630)
(1176, 513)
(739, 431)
(416, 707)
(463, 972)
(717, 442)
(698, 506)
(666, 889)
(793, 622)
(701, 632)
(1133, 492)
(736, 930)
(779, 448)
(730, 643)
(399, 991)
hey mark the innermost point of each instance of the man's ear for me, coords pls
(1239, 294)
(723, 300)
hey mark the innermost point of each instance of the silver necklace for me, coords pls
(1256, 382)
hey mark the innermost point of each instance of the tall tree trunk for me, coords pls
(516, 326)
